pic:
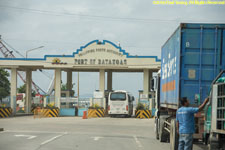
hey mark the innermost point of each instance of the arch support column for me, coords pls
(102, 80)
(58, 77)
(146, 86)
(13, 89)
(109, 80)
(28, 90)
(146, 82)
(69, 80)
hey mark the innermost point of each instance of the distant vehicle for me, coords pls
(120, 103)
(20, 102)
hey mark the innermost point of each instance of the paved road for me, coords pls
(70, 133)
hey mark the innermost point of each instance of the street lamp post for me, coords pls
(33, 49)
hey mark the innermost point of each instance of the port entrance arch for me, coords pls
(96, 56)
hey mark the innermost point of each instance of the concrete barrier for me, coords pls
(5, 112)
(46, 112)
(67, 112)
(94, 113)
(143, 114)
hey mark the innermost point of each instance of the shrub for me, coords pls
(51, 106)
(142, 106)
(95, 106)
(2, 105)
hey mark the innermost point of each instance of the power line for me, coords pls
(87, 15)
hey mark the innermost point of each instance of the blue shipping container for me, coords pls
(190, 60)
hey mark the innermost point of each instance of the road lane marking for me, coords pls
(29, 137)
(137, 141)
(25, 131)
(52, 139)
(32, 137)
(97, 138)
(76, 133)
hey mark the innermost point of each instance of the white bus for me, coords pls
(120, 103)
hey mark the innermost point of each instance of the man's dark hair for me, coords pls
(183, 101)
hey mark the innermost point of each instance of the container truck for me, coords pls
(190, 60)
(214, 131)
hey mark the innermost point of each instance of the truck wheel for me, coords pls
(173, 135)
(156, 128)
(163, 134)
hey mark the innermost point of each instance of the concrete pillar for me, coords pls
(102, 80)
(147, 86)
(146, 81)
(45, 102)
(28, 91)
(69, 80)
(57, 87)
(109, 80)
(13, 89)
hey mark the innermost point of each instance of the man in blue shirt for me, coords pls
(186, 123)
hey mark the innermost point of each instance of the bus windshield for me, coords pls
(118, 96)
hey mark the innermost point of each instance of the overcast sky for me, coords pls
(62, 26)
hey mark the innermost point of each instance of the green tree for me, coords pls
(22, 89)
(64, 87)
(4, 84)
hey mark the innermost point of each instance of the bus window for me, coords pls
(118, 96)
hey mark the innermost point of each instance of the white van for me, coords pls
(120, 103)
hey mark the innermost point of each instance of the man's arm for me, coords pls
(200, 108)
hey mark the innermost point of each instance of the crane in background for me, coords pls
(9, 54)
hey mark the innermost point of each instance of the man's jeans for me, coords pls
(185, 141)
